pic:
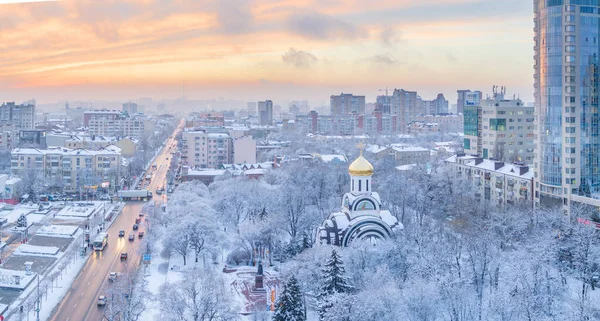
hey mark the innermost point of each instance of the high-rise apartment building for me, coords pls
(405, 106)
(567, 49)
(130, 108)
(20, 116)
(500, 129)
(384, 104)
(467, 98)
(265, 112)
(346, 104)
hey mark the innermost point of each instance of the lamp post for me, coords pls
(37, 309)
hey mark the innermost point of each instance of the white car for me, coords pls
(102, 300)
(112, 276)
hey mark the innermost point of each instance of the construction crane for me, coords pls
(386, 90)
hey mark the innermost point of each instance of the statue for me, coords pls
(260, 268)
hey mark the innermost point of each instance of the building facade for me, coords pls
(69, 170)
(566, 72)
(467, 98)
(205, 149)
(361, 217)
(500, 129)
(21, 116)
(265, 113)
(346, 104)
(494, 182)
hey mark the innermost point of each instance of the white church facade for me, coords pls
(361, 216)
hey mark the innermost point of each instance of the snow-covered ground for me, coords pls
(58, 230)
(35, 218)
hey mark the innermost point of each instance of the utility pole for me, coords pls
(37, 309)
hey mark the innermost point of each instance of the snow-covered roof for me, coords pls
(333, 157)
(410, 149)
(406, 167)
(208, 172)
(63, 151)
(375, 149)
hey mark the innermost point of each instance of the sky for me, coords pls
(262, 49)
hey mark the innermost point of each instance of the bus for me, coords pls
(101, 241)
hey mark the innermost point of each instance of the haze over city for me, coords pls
(248, 50)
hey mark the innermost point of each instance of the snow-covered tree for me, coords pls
(202, 295)
(22, 221)
(334, 280)
(290, 305)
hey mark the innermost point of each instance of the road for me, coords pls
(80, 303)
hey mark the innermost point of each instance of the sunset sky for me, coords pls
(261, 49)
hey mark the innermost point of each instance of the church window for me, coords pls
(352, 184)
(367, 185)
(359, 181)
(365, 205)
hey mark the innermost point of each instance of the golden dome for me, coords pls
(360, 167)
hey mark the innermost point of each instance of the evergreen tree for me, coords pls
(290, 306)
(22, 221)
(335, 282)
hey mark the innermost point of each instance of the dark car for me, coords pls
(121, 233)
(135, 227)
(131, 237)
(123, 256)
(137, 220)
(141, 234)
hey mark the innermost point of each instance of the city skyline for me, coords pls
(252, 49)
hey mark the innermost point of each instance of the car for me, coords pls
(102, 300)
(131, 237)
(135, 227)
(104, 198)
(137, 220)
(123, 256)
(121, 233)
(112, 276)
(141, 234)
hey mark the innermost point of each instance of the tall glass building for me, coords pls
(566, 100)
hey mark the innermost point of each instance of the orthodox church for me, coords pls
(361, 216)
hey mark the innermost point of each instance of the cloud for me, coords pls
(390, 35)
(383, 60)
(234, 16)
(299, 58)
(314, 25)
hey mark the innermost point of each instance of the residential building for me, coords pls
(206, 176)
(265, 113)
(384, 104)
(251, 108)
(130, 108)
(69, 170)
(20, 116)
(8, 136)
(566, 102)
(405, 155)
(346, 104)
(116, 123)
(205, 149)
(205, 120)
(422, 128)
(495, 182)
(405, 106)
(448, 123)
(467, 98)
(32, 138)
(500, 129)
(438, 106)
